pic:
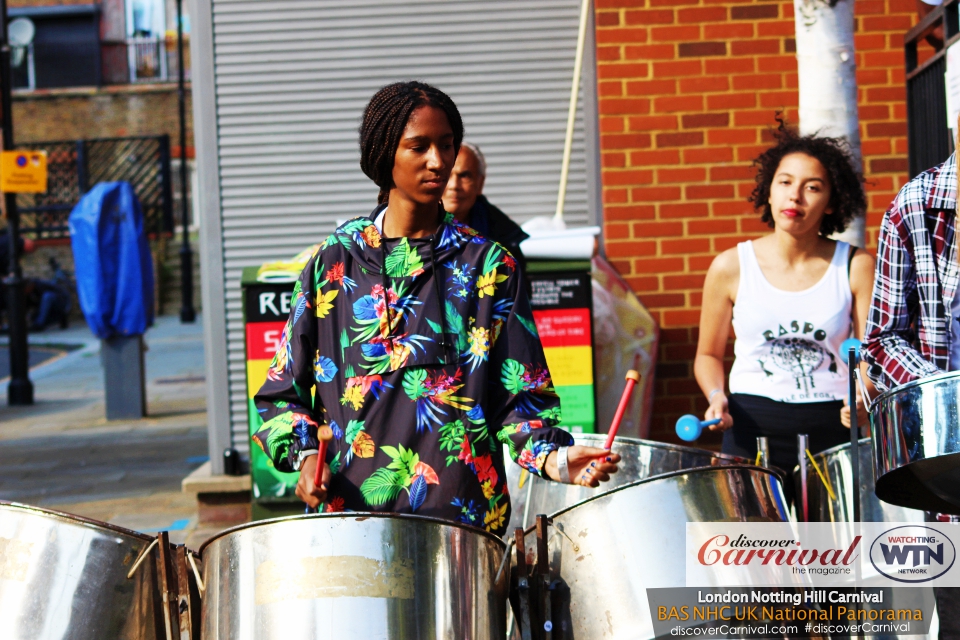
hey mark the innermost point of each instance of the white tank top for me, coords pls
(787, 344)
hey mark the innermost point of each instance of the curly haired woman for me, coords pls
(411, 336)
(792, 297)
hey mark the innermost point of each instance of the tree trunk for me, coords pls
(828, 81)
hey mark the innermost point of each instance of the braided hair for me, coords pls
(386, 117)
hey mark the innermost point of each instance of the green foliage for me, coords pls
(529, 325)
(353, 428)
(451, 436)
(404, 462)
(550, 413)
(456, 326)
(413, 382)
(504, 436)
(402, 260)
(381, 487)
(335, 464)
(512, 376)
(492, 260)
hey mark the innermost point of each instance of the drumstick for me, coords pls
(632, 377)
(324, 435)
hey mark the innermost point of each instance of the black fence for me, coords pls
(928, 135)
(76, 166)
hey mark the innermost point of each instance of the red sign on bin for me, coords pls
(263, 339)
(563, 327)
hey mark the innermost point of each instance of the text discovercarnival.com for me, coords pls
(766, 580)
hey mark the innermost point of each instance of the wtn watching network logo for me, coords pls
(912, 554)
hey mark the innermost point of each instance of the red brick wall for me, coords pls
(688, 90)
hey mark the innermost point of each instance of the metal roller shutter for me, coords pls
(292, 78)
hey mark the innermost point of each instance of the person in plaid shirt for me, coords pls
(913, 327)
(910, 329)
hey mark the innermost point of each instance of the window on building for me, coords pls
(113, 42)
(65, 51)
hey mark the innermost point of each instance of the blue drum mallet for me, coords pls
(689, 427)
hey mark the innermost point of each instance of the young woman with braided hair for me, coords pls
(415, 335)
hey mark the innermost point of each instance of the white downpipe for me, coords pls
(828, 81)
(572, 112)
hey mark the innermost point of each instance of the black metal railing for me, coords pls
(929, 141)
(76, 166)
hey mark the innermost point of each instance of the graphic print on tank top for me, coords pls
(798, 351)
(787, 344)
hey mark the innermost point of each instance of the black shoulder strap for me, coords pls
(853, 250)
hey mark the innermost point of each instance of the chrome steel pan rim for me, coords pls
(660, 478)
(914, 383)
(75, 519)
(362, 515)
(656, 444)
(835, 449)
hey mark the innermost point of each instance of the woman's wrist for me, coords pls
(714, 393)
(550, 469)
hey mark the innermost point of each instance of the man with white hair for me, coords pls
(464, 198)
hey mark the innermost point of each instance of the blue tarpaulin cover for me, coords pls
(112, 262)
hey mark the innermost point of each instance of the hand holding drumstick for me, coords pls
(312, 485)
(589, 466)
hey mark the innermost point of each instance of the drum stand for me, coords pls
(180, 587)
(521, 588)
(533, 594)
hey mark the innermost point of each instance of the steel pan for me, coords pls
(64, 577)
(916, 436)
(609, 550)
(354, 575)
(640, 459)
(836, 465)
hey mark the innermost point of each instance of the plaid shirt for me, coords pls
(909, 326)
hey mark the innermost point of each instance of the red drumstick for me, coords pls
(633, 377)
(324, 435)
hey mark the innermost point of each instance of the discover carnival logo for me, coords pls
(912, 553)
(818, 554)
(742, 551)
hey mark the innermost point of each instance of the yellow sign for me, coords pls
(23, 171)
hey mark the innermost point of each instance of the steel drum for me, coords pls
(609, 550)
(640, 459)
(836, 464)
(65, 577)
(916, 436)
(354, 575)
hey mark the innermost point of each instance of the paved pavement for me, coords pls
(38, 355)
(62, 453)
(51, 470)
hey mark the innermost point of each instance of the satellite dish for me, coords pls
(20, 32)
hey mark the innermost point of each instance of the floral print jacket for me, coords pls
(423, 357)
